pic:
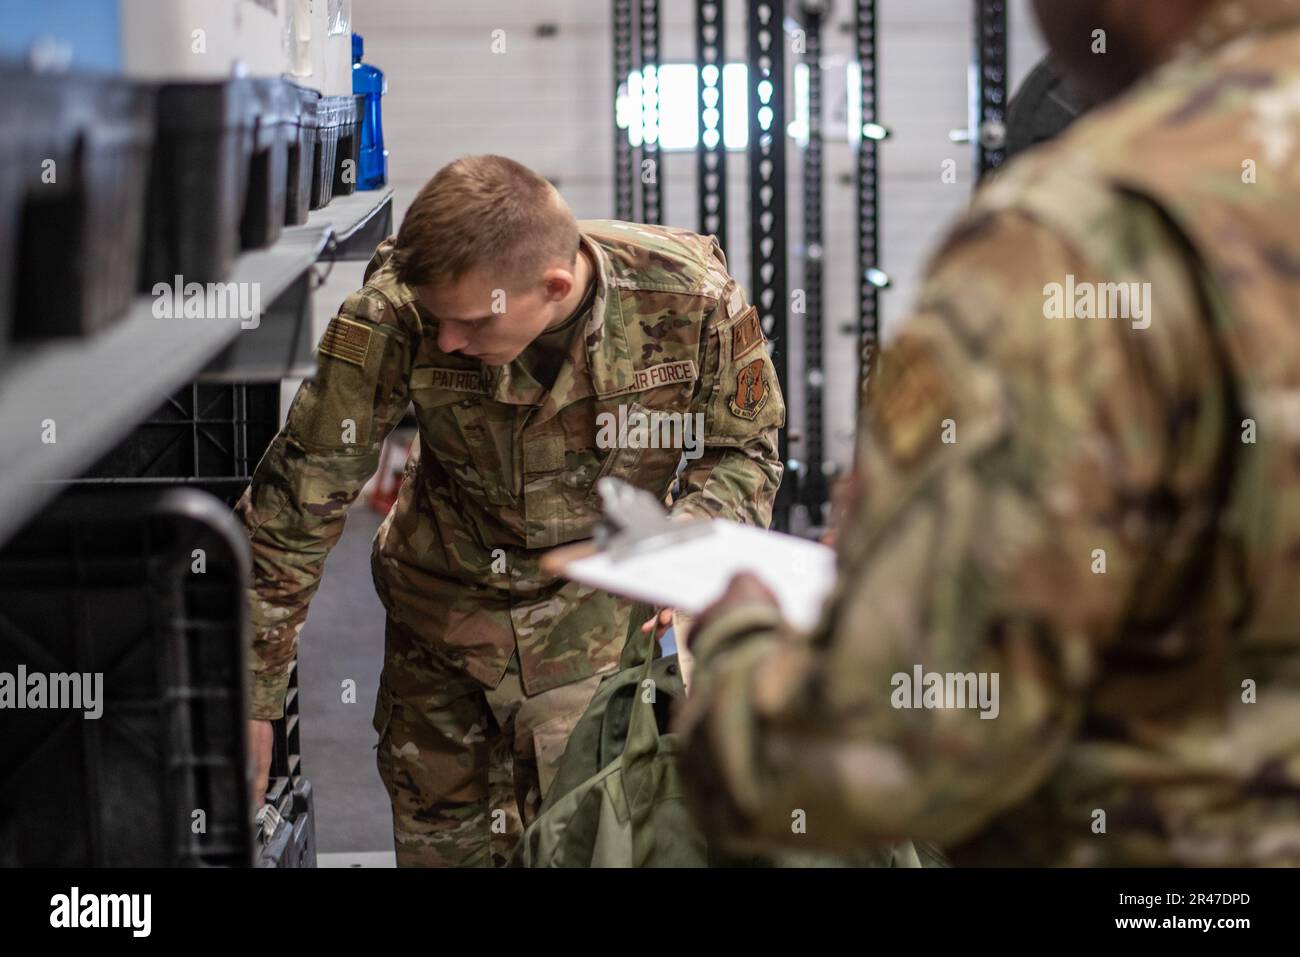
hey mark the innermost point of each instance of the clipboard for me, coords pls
(640, 553)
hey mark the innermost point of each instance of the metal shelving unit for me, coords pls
(95, 390)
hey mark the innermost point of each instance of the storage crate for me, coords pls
(302, 157)
(110, 582)
(210, 436)
(74, 158)
(275, 120)
(199, 181)
(335, 117)
(349, 165)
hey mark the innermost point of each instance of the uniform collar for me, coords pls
(599, 362)
(609, 359)
(1232, 20)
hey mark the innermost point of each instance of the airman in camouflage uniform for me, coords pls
(488, 658)
(1104, 512)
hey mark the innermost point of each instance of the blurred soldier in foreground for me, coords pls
(541, 354)
(1067, 625)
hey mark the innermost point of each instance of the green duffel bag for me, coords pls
(618, 799)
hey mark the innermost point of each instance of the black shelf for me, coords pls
(97, 389)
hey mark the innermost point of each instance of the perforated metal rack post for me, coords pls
(652, 197)
(989, 96)
(812, 488)
(624, 191)
(871, 279)
(767, 239)
(711, 151)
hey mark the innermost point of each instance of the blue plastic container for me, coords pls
(77, 34)
(372, 166)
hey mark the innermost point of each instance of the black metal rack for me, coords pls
(812, 488)
(990, 96)
(767, 212)
(624, 188)
(871, 279)
(652, 198)
(711, 151)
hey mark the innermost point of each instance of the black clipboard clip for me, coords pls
(634, 522)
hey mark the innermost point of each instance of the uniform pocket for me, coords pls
(623, 457)
(480, 433)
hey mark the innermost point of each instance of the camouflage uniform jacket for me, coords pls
(1102, 512)
(504, 469)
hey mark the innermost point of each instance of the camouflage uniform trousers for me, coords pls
(466, 767)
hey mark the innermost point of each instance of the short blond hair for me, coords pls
(484, 213)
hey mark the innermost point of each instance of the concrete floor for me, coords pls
(344, 639)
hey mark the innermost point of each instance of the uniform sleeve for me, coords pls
(315, 467)
(1017, 501)
(739, 469)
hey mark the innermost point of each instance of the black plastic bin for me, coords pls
(74, 158)
(14, 175)
(275, 124)
(349, 166)
(199, 180)
(208, 435)
(147, 590)
(302, 157)
(336, 115)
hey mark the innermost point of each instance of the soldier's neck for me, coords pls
(584, 276)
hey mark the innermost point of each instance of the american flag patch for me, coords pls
(346, 340)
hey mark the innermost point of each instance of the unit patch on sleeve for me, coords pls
(746, 334)
(346, 340)
(751, 392)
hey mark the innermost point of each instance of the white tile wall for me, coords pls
(546, 102)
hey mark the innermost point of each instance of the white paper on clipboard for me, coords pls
(691, 575)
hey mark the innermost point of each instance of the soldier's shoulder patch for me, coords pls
(751, 391)
(911, 400)
(746, 334)
(346, 340)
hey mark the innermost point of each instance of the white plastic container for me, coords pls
(205, 39)
(330, 45)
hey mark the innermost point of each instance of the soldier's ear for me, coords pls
(559, 283)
